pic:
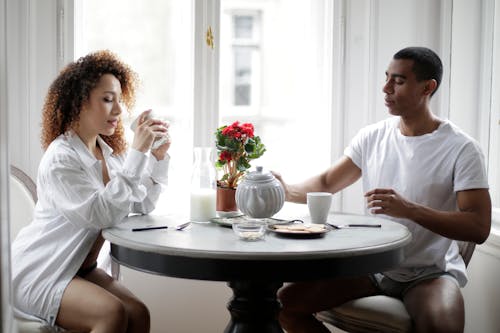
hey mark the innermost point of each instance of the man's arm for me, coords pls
(342, 174)
(471, 223)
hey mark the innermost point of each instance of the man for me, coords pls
(420, 171)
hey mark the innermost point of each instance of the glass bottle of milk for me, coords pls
(203, 185)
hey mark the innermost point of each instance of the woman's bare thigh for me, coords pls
(102, 279)
(84, 304)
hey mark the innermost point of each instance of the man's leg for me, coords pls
(303, 299)
(436, 305)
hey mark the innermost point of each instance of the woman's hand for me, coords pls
(147, 131)
(160, 152)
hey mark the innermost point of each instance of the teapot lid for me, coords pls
(259, 175)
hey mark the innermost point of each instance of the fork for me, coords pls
(347, 226)
(182, 226)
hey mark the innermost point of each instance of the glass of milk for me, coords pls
(203, 185)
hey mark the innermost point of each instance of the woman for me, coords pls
(86, 182)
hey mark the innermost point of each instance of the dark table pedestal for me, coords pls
(254, 307)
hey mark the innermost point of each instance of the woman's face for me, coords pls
(100, 114)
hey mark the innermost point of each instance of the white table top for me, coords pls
(213, 241)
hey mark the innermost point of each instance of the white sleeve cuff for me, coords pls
(135, 163)
(159, 169)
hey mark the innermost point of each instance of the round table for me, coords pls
(255, 270)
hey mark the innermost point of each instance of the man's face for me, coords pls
(404, 95)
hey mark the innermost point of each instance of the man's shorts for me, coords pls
(397, 289)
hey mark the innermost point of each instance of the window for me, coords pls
(274, 78)
(241, 51)
(275, 73)
(155, 38)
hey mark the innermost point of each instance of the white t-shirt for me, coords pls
(73, 207)
(429, 170)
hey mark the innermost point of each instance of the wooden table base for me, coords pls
(254, 307)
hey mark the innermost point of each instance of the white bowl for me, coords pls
(250, 230)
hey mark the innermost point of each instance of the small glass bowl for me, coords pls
(250, 230)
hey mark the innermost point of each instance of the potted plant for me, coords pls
(236, 146)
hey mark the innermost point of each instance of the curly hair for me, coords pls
(71, 89)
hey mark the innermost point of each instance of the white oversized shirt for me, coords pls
(73, 207)
(429, 170)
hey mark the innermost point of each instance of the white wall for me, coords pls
(482, 301)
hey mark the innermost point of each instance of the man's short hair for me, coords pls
(426, 63)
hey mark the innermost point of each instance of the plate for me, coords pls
(229, 214)
(228, 221)
(300, 230)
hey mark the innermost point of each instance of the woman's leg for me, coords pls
(137, 313)
(86, 307)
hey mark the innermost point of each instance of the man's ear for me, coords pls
(430, 86)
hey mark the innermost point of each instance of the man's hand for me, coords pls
(472, 221)
(388, 202)
(285, 186)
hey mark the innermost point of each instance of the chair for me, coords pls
(378, 313)
(22, 203)
(22, 200)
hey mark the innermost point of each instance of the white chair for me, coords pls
(378, 313)
(22, 200)
(22, 203)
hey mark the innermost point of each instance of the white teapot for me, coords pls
(260, 194)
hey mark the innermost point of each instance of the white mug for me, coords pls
(319, 206)
(159, 140)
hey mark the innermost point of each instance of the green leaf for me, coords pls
(219, 164)
(243, 164)
(250, 146)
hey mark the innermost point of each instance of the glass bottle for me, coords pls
(203, 186)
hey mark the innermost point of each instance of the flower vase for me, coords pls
(226, 202)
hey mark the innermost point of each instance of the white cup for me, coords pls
(319, 206)
(159, 140)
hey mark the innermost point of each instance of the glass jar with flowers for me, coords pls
(236, 146)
